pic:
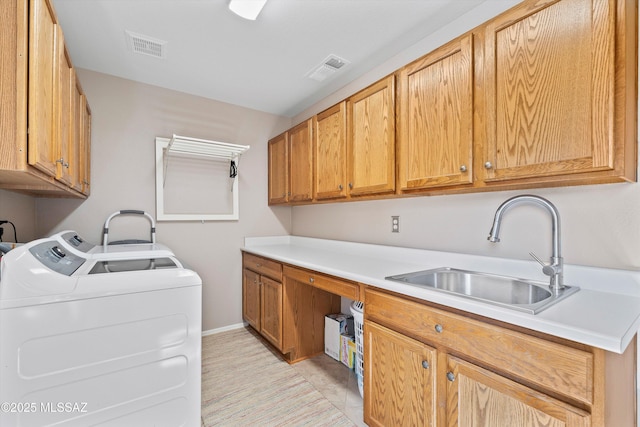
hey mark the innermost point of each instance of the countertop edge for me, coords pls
(301, 252)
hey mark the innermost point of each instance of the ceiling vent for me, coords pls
(327, 68)
(146, 45)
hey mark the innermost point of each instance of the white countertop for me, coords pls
(605, 313)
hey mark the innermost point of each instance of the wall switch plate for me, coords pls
(395, 224)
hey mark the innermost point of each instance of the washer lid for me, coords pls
(119, 266)
(75, 244)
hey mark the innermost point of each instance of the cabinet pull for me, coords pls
(339, 186)
(451, 377)
(488, 165)
(351, 186)
(463, 168)
(439, 328)
(425, 364)
(311, 280)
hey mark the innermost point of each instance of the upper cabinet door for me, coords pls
(42, 83)
(330, 153)
(77, 143)
(371, 139)
(278, 173)
(549, 89)
(436, 118)
(301, 162)
(85, 146)
(65, 114)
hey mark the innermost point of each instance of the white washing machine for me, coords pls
(93, 335)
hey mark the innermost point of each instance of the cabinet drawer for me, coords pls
(263, 266)
(556, 367)
(330, 284)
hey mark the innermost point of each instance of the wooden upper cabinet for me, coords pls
(435, 123)
(45, 135)
(301, 162)
(371, 139)
(73, 123)
(65, 154)
(42, 84)
(548, 86)
(85, 146)
(542, 95)
(77, 137)
(278, 172)
(331, 153)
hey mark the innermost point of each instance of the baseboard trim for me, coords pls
(223, 329)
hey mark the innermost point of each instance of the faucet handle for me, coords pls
(547, 269)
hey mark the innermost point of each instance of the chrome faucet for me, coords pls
(552, 269)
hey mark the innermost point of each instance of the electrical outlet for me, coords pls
(395, 224)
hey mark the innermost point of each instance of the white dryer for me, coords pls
(93, 335)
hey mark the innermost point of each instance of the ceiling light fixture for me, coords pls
(247, 9)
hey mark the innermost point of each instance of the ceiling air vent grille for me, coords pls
(327, 68)
(146, 45)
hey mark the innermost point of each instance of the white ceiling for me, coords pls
(259, 64)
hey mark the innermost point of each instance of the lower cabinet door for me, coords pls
(251, 298)
(399, 379)
(271, 308)
(480, 398)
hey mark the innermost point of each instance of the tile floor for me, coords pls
(336, 382)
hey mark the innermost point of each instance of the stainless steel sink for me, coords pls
(518, 294)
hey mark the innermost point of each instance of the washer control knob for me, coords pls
(76, 240)
(58, 252)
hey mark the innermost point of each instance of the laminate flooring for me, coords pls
(240, 359)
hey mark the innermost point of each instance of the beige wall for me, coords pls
(127, 116)
(600, 224)
(21, 211)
